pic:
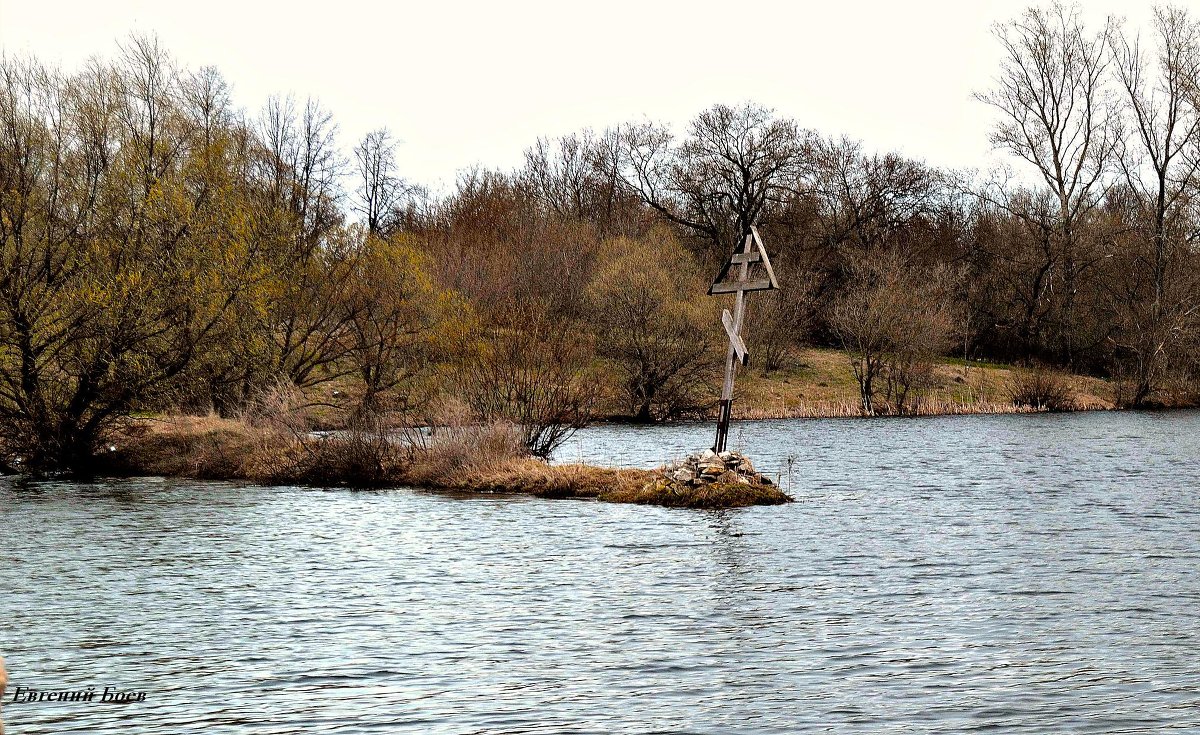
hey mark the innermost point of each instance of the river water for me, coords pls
(995, 573)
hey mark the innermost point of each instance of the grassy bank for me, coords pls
(821, 384)
(472, 459)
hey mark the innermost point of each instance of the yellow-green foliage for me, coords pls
(652, 326)
(401, 321)
(123, 244)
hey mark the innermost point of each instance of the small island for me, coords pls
(470, 459)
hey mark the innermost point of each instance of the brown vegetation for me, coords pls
(162, 251)
(471, 459)
(1041, 390)
(716, 495)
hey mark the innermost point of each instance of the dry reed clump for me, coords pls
(202, 447)
(364, 454)
(260, 450)
(359, 458)
(213, 448)
(1040, 390)
(452, 452)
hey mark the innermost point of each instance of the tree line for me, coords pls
(163, 249)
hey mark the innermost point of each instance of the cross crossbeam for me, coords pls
(739, 286)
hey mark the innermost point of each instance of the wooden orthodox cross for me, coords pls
(752, 252)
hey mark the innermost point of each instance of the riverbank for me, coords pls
(470, 460)
(281, 448)
(820, 384)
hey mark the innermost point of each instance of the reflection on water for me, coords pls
(1029, 574)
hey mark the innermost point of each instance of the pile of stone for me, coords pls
(709, 467)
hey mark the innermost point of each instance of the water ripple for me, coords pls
(968, 574)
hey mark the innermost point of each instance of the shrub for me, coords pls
(535, 376)
(1041, 390)
(661, 339)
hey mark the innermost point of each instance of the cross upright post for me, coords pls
(725, 409)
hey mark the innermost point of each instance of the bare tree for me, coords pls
(735, 163)
(1160, 163)
(892, 320)
(381, 190)
(149, 81)
(783, 318)
(301, 168)
(866, 203)
(1017, 261)
(1057, 117)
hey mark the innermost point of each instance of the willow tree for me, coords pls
(649, 323)
(124, 248)
(401, 323)
(296, 178)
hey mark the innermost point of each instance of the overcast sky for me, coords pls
(461, 83)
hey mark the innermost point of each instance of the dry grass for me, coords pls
(534, 477)
(1041, 389)
(716, 495)
(462, 449)
(822, 385)
(213, 448)
(203, 447)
